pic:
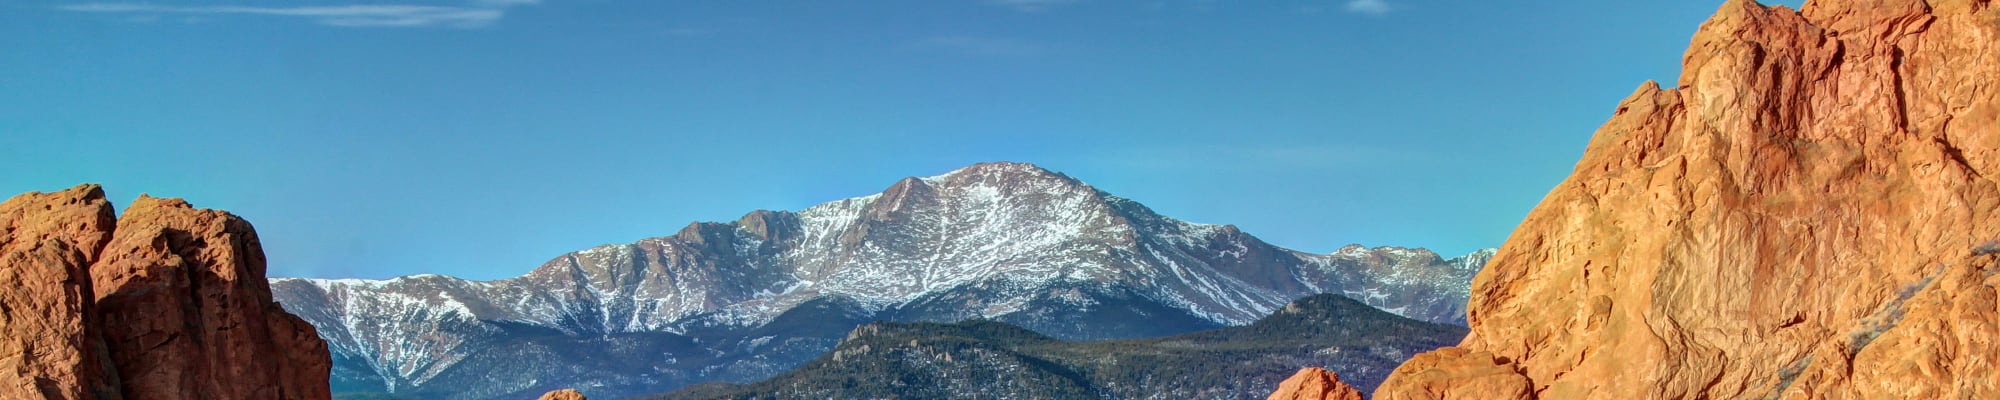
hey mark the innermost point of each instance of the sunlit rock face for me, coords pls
(1315, 384)
(50, 346)
(563, 394)
(1809, 214)
(164, 302)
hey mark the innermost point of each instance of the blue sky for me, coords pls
(482, 137)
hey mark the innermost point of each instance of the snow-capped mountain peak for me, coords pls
(1008, 241)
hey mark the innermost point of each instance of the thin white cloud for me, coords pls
(1370, 7)
(372, 15)
(1030, 5)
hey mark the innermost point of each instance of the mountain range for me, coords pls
(745, 300)
(936, 361)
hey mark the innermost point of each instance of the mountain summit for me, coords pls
(746, 299)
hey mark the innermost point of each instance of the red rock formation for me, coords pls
(1803, 217)
(564, 394)
(48, 348)
(1315, 384)
(1457, 373)
(188, 314)
(170, 303)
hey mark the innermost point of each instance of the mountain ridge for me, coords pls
(998, 360)
(1006, 241)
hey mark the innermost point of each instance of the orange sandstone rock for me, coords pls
(1315, 384)
(1807, 215)
(167, 302)
(49, 347)
(564, 394)
(188, 313)
(1456, 373)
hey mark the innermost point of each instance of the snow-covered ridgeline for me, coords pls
(1015, 228)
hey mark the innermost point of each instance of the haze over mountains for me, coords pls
(744, 300)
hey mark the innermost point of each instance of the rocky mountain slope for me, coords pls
(164, 302)
(1809, 214)
(996, 360)
(744, 300)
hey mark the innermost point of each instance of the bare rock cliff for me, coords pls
(1810, 214)
(168, 302)
(49, 342)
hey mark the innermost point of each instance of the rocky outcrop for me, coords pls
(49, 344)
(188, 314)
(1808, 215)
(564, 394)
(1315, 384)
(1455, 373)
(170, 302)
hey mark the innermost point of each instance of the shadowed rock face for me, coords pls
(1805, 216)
(1315, 384)
(170, 302)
